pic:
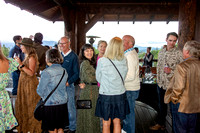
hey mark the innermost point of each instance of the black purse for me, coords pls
(39, 109)
(83, 104)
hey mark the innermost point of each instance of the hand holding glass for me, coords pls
(15, 55)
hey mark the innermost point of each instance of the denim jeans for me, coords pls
(15, 78)
(129, 122)
(71, 107)
(174, 113)
(186, 122)
(162, 113)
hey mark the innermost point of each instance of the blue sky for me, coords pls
(15, 21)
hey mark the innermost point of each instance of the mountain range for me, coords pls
(141, 48)
(11, 44)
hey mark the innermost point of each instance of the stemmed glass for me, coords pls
(15, 55)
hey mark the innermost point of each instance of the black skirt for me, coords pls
(55, 117)
(112, 106)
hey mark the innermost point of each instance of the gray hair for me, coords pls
(101, 41)
(193, 47)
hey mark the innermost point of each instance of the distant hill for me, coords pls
(49, 43)
(11, 44)
(144, 49)
(154, 45)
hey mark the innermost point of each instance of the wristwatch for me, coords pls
(22, 66)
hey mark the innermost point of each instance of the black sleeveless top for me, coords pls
(146, 63)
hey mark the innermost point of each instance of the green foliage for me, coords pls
(96, 50)
(141, 55)
(5, 50)
(155, 56)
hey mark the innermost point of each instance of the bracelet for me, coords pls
(22, 66)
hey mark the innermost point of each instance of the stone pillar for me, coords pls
(187, 14)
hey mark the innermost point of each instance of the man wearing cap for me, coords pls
(41, 50)
(16, 51)
(71, 64)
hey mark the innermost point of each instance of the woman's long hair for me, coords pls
(115, 49)
(82, 56)
(30, 51)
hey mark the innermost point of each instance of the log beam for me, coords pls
(197, 26)
(92, 22)
(187, 13)
(80, 29)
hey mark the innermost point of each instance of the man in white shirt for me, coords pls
(132, 82)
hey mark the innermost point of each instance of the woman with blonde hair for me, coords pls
(27, 96)
(7, 119)
(112, 104)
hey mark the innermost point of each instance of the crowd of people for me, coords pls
(110, 80)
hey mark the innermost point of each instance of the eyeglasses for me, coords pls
(63, 43)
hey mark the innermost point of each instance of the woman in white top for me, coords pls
(112, 103)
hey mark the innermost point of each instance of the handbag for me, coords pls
(39, 109)
(84, 104)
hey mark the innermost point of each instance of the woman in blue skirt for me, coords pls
(111, 71)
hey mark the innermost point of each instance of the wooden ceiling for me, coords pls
(112, 10)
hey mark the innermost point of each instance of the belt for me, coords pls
(91, 83)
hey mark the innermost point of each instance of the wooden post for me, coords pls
(187, 13)
(69, 21)
(197, 27)
(71, 32)
(80, 29)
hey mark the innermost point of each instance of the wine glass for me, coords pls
(15, 55)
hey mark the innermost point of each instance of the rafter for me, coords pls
(93, 21)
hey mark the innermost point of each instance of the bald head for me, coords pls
(128, 42)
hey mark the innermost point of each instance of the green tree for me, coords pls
(141, 55)
(5, 50)
(155, 56)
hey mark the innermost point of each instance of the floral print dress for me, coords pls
(7, 119)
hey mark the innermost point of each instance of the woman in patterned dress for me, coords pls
(7, 119)
(86, 120)
(27, 96)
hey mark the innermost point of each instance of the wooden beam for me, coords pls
(56, 15)
(197, 25)
(151, 19)
(187, 13)
(169, 18)
(134, 19)
(118, 18)
(65, 11)
(80, 29)
(93, 21)
(131, 9)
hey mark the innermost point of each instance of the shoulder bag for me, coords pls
(117, 70)
(39, 109)
(84, 104)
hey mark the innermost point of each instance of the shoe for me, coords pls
(157, 127)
